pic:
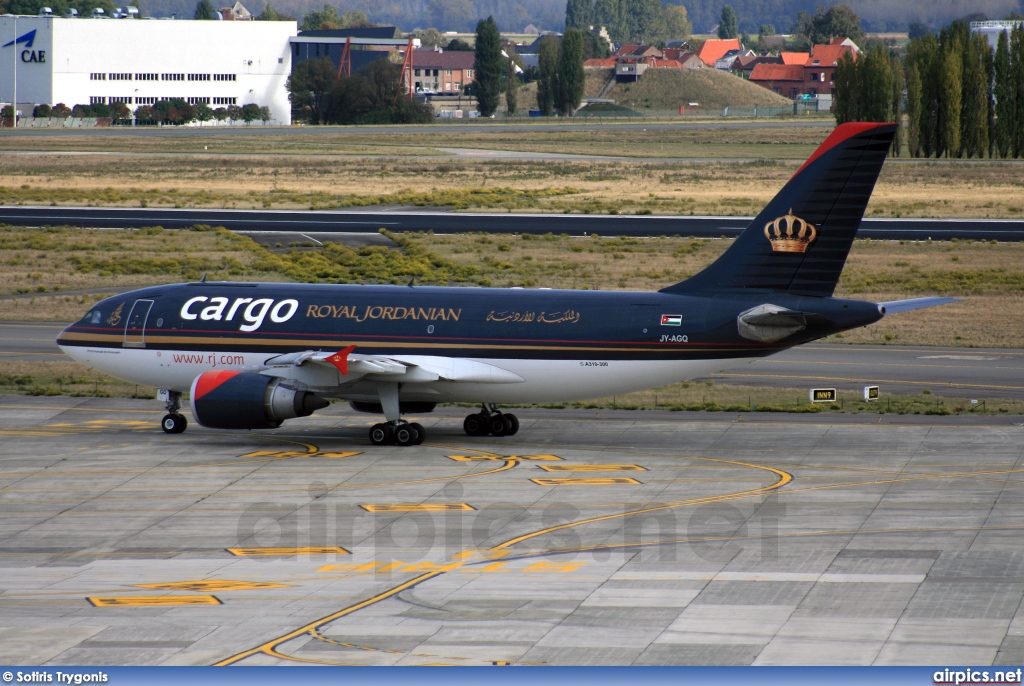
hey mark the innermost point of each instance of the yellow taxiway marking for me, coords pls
(287, 552)
(422, 507)
(271, 648)
(285, 454)
(153, 600)
(587, 481)
(212, 585)
(490, 457)
(592, 468)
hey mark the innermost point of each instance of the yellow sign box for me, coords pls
(154, 600)
(592, 468)
(422, 507)
(212, 585)
(583, 481)
(502, 458)
(824, 395)
(286, 552)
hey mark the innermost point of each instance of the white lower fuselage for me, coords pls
(544, 380)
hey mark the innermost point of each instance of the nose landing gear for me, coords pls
(173, 422)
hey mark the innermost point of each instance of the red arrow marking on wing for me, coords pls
(340, 359)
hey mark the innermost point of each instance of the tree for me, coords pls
(839, 22)
(61, 111)
(847, 98)
(429, 38)
(308, 86)
(220, 114)
(974, 97)
(766, 30)
(1017, 79)
(488, 66)
(950, 102)
(234, 112)
(42, 111)
(203, 112)
(327, 18)
(459, 45)
(595, 46)
(250, 113)
(547, 74)
(645, 21)
(610, 14)
(898, 86)
(265, 114)
(677, 22)
(570, 72)
(913, 111)
(204, 10)
(579, 14)
(728, 27)
(375, 95)
(512, 88)
(144, 113)
(1003, 94)
(270, 14)
(354, 19)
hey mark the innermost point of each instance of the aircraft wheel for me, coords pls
(382, 434)
(475, 425)
(174, 423)
(512, 422)
(406, 434)
(421, 433)
(497, 425)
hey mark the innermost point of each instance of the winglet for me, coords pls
(340, 359)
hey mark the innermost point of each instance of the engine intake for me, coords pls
(226, 399)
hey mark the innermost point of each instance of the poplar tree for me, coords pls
(1004, 97)
(974, 98)
(570, 72)
(728, 27)
(512, 88)
(913, 111)
(847, 95)
(1017, 79)
(951, 90)
(488, 66)
(204, 10)
(547, 74)
(898, 84)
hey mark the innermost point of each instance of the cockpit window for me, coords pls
(96, 316)
(87, 318)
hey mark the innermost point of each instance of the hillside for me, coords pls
(667, 89)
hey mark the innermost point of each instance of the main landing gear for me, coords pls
(395, 431)
(491, 421)
(173, 422)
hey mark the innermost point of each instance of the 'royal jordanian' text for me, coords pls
(430, 314)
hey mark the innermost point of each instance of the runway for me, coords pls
(297, 222)
(589, 538)
(957, 372)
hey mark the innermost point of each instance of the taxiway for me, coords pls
(588, 538)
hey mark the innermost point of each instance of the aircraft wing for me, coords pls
(402, 368)
(894, 306)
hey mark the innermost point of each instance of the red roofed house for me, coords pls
(714, 49)
(821, 65)
(812, 76)
(794, 57)
(440, 71)
(784, 79)
(600, 62)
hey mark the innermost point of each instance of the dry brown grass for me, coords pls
(905, 189)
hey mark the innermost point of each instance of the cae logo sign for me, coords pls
(28, 56)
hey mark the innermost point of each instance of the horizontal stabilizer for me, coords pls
(894, 306)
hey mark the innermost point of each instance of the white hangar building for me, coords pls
(139, 62)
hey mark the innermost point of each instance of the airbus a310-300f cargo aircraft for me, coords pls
(255, 354)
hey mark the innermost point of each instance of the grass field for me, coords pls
(716, 187)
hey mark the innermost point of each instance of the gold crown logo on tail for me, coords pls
(790, 233)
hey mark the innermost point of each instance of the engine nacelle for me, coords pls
(227, 399)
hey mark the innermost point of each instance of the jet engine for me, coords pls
(226, 399)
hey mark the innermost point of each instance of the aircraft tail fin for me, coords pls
(799, 242)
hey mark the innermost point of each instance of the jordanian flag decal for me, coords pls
(671, 320)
